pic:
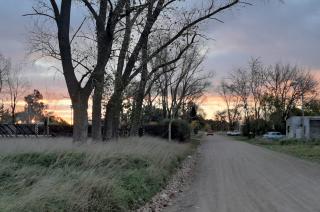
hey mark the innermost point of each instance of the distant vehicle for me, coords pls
(273, 135)
(210, 132)
(233, 133)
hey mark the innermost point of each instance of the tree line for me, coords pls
(263, 97)
(148, 49)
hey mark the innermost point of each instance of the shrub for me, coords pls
(180, 129)
(255, 127)
(155, 129)
(61, 130)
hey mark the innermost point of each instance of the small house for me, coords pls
(303, 127)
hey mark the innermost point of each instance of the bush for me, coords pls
(155, 129)
(61, 130)
(180, 129)
(255, 127)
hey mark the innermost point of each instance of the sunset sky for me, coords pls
(286, 32)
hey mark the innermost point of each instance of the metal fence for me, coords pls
(15, 130)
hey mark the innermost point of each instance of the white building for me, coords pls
(303, 127)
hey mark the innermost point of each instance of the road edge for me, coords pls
(177, 184)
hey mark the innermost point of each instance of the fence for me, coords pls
(35, 130)
(15, 130)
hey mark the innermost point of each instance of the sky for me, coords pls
(274, 31)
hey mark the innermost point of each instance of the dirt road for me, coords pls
(234, 176)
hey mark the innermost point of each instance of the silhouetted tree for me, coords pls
(34, 106)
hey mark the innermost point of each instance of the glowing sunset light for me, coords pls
(61, 107)
(211, 104)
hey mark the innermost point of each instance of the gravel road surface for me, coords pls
(234, 176)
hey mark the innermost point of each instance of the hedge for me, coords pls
(180, 129)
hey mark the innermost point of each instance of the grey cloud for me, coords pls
(271, 30)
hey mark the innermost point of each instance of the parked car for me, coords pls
(273, 135)
(233, 133)
(210, 132)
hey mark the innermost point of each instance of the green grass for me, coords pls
(57, 175)
(304, 151)
(309, 150)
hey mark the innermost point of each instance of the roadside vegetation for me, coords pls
(58, 175)
(309, 150)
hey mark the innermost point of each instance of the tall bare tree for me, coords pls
(257, 76)
(285, 85)
(271, 93)
(5, 66)
(17, 87)
(183, 83)
(105, 15)
(157, 68)
(232, 101)
(154, 11)
(84, 75)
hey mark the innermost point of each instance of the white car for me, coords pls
(234, 133)
(273, 135)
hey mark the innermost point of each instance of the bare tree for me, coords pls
(257, 77)
(108, 18)
(273, 91)
(285, 85)
(232, 101)
(5, 66)
(156, 70)
(185, 83)
(17, 87)
(182, 27)
(105, 15)
(188, 83)
(240, 86)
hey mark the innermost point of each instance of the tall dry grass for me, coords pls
(55, 174)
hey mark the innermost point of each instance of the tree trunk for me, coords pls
(170, 130)
(164, 100)
(13, 115)
(112, 117)
(136, 118)
(80, 119)
(96, 113)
